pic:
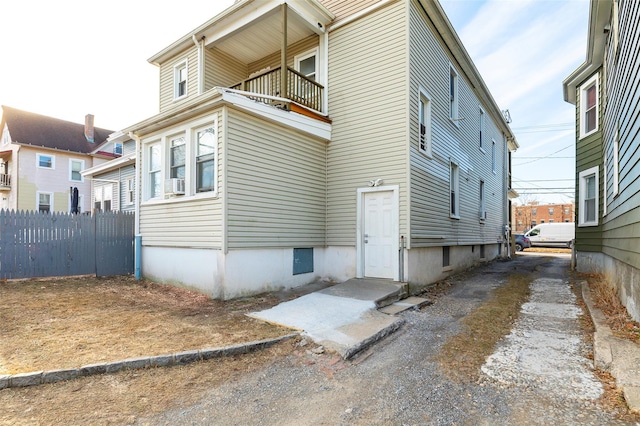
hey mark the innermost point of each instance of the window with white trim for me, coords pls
(177, 157)
(45, 161)
(180, 78)
(588, 193)
(131, 197)
(205, 160)
(453, 94)
(424, 131)
(75, 167)
(493, 156)
(483, 211)
(481, 125)
(155, 170)
(44, 201)
(454, 190)
(307, 64)
(589, 119)
(103, 196)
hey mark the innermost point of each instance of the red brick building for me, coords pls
(526, 217)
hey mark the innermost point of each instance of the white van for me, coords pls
(552, 234)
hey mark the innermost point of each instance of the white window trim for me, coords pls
(454, 180)
(494, 157)
(482, 135)
(482, 193)
(454, 104)
(53, 161)
(50, 200)
(131, 195)
(193, 159)
(424, 97)
(176, 76)
(305, 55)
(71, 161)
(147, 176)
(583, 106)
(582, 194)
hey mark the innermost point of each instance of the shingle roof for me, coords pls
(39, 130)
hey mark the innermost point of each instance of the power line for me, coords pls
(541, 158)
(538, 158)
(543, 180)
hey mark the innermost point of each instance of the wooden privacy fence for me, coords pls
(35, 244)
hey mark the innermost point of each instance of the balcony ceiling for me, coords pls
(263, 36)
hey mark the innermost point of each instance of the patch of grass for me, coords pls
(463, 354)
(606, 299)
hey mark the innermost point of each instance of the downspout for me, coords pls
(199, 46)
(505, 194)
(138, 237)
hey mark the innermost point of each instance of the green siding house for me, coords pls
(605, 90)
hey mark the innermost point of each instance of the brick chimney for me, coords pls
(88, 128)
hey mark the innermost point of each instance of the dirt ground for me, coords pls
(71, 322)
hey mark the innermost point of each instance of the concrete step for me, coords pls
(405, 304)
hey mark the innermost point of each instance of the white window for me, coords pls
(44, 201)
(131, 197)
(46, 161)
(616, 161)
(205, 160)
(493, 156)
(180, 76)
(588, 192)
(307, 64)
(483, 211)
(454, 185)
(453, 94)
(481, 125)
(177, 157)
(155, 171)
(103, 195)
(424, 141)
(75, 167)
(589, 107)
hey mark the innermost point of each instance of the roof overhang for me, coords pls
(599, 18)
(5, 155)
(512, 193)
(255, 23)
(125, 160)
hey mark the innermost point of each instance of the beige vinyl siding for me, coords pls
(166, 77)
(588, 155)
(273, 60)
(190, 222)
(621, 228)
(431, 224)
(276, 185)
(367, 83)
(222, 70)
(343, 9)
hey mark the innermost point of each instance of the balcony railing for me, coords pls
(301, 89)
(5, 181)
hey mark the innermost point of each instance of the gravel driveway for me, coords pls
(398, 382)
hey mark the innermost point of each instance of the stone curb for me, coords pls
(606, 348)
(353, 350)
(178, 358)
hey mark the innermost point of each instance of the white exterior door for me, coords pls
(378, 234)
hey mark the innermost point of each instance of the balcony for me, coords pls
(5, 182)
(298, 88)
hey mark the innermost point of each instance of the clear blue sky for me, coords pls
(67, 58)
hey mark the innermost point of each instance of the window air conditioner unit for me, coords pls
(174, 186)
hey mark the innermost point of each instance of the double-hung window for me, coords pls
(425, 123)
(45, 200)
(454, 191)
(102, 198)
(453, 94)
(493, 156)
(588, 191)
(75, 167)
(180, 77)
(483, 211)
(481, 125)
(155, 171)
(589, 119)
(178, 157)
(131, 191)
(205, 160)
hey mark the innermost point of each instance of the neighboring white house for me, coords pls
(306, 140)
